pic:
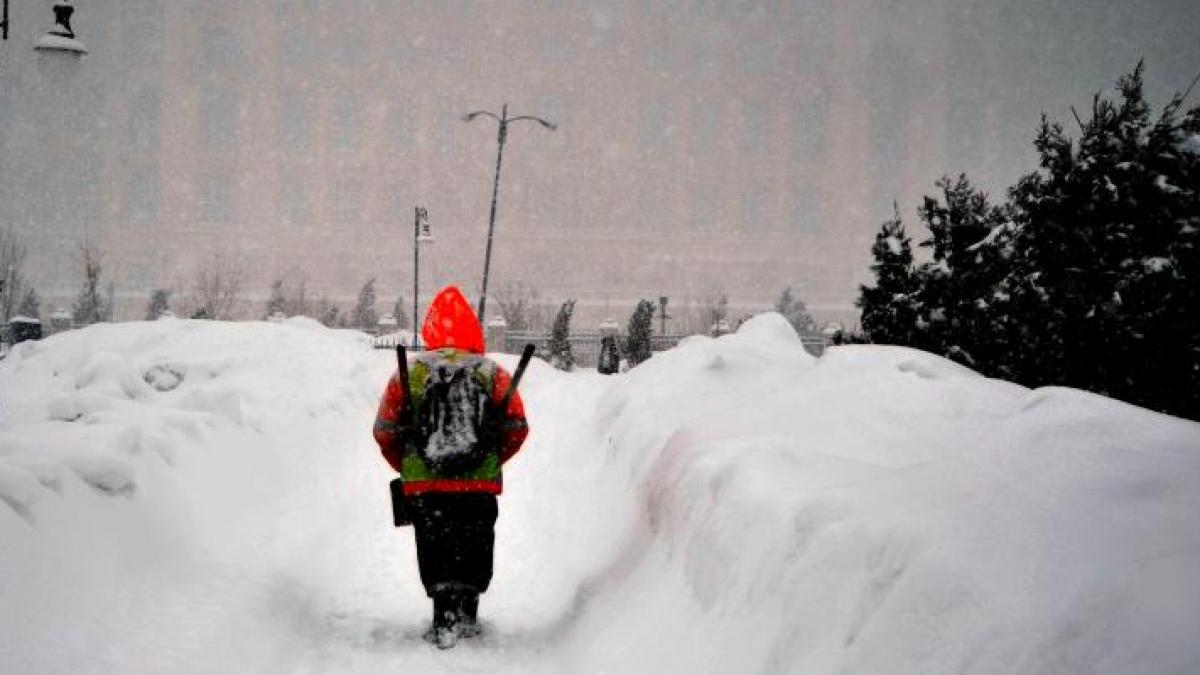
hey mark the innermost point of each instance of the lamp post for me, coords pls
(421, 235)
(57, 49)
(501, 134)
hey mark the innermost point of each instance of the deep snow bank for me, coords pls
(885, 510)
(199, 497)
(143, 468)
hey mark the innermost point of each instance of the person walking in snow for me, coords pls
(444, 433)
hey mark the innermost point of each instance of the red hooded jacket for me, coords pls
(452, 327)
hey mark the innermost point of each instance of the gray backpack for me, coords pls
(452, 418)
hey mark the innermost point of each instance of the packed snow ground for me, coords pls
(202, 497)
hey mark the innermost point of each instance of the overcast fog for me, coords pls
(701, 147)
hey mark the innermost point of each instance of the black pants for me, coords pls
(455, 534)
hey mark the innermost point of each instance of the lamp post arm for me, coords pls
(471, 116)
(549, 125)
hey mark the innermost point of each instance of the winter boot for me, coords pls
(468, 620)
(444, 631)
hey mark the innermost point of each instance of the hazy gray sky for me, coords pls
(736, 146)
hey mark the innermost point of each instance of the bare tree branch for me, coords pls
(218, 286)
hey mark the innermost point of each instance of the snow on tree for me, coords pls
(958, 285)
(1112, 253)
(1089, 276)
(889, 308)
(363, 315)
(559, 348)
(638, 334)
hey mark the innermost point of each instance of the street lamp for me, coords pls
(502, 133)
(422, 234)
(60, 38)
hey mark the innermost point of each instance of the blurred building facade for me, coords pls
(702, 147)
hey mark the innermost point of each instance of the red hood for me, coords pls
(452, 323)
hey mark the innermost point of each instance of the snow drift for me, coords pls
(195, 497)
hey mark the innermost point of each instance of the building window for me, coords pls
(345, 120)
(755, 130)
(758, 58)
(299, 47)
(704, 206)
(753, 211)
(399, 127)
(347, 206)
(220, 48)
(808, 212)
(215, 198)
(143, 24)
(652, 127)
(141, 199)
(294, 205)
(296, 122)
(220, 112)
(444, 123)
(808, 125)
(143, 121)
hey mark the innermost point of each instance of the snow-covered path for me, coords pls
(362, 604)
(198, 497)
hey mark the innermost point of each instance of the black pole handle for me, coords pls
(526, 356)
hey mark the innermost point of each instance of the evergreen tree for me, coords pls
(561, 356)
(889, 308)
(31, 304)
(363, 315)
(959, 284)
(796, 312)
(639, 332)
(160, 303)
(1088, 277)
(89, 304)
(1109, 235)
